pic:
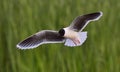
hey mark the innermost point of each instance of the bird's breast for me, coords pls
(70, 34)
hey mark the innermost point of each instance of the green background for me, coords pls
(21, 18)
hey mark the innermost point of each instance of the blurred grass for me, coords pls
(21, 18)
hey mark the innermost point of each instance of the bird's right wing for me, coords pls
(42, 37)
(81, 22)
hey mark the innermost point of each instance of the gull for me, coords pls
(71, 36)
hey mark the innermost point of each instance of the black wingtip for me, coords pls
(100, 13)
(94, 16)
(28, 43)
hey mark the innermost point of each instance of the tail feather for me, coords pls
(82, 38)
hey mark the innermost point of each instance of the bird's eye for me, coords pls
(61, 32)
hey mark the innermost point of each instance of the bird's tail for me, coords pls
(82, 38)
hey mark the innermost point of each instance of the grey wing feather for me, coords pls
(80, 22)
(42, 37)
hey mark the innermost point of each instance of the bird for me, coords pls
(71, 36)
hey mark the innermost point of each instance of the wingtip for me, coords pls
(101, 13)
(22, 48)
(19, 47)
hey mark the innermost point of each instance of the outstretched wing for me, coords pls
(42, 37)
(80, 22)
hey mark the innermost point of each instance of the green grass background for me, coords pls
(21, 18)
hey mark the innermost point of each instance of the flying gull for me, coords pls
(71, 35)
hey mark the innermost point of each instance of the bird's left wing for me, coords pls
(42, 37)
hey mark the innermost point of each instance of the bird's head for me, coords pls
(61, 32)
